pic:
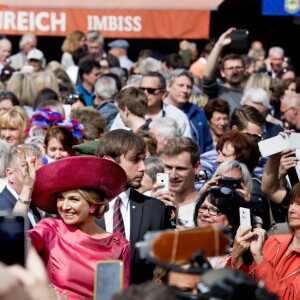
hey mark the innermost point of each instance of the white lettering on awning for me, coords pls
(114, 23)
(24, 21)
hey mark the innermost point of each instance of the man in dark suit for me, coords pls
(10, 194)
(140, 213)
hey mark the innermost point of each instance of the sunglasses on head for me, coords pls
(221, 189)
(255, 137)
(150, 91)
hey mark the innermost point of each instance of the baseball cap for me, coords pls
(35, 54)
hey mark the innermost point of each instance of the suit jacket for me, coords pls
(146, 214)
(8, 202)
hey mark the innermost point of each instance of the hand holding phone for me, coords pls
(245, 218)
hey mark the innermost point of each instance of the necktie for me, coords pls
(118, 224)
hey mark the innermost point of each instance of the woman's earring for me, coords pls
(93, 209)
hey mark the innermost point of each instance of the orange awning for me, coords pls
(188, 19)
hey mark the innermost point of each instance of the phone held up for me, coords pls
(245, 218)
(239, 38)
(163, 178)
(13, 245)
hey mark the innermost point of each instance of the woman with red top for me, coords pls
(76, 188)
(276, 260)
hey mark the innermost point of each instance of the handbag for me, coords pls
(277, 228)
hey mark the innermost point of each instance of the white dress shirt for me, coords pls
(125, 211)
(30, 213)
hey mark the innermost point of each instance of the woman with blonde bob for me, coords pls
(78, 190)
(13, 125)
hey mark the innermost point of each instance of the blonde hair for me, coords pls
(23, 87)
(259, 80)
(53, 65)
(71, 42)
(15, 117)
(92, 196)
(45, 79)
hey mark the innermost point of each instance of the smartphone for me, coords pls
(232, 183)
(163, 178)
(239, 38)
(245, 219)
(108, 279)
(13, 242)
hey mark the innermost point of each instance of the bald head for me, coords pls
(5, 50)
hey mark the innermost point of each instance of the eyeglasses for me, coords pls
(255, 137)
(150, 91)
(212, 211)
(239, 68)
(283, 112)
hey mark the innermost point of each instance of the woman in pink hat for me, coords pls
(78, 190)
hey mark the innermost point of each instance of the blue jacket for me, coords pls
(199, 126)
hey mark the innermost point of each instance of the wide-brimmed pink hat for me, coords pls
(73, 173)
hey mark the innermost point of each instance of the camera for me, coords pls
(232, 183)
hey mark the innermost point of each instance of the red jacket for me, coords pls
(279, 272)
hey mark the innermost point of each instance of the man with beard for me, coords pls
(139, 213)
(232, 72)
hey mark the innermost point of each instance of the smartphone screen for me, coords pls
(13, 229)
(108, 279)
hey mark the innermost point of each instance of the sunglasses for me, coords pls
(4, 95)
(255, 137)
(223, 190)
(150, 91)
(72, 98)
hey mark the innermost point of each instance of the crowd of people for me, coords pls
(83, 138)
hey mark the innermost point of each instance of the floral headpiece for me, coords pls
(45, 118)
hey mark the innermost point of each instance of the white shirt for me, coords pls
(186, 215)
(125, 211)
(169, 111)
(30, 213)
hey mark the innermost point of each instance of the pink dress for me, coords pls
(70, 255)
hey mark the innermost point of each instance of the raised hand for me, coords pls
(288, 160)
(27, 167)
(257, 244)
(242, 242)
